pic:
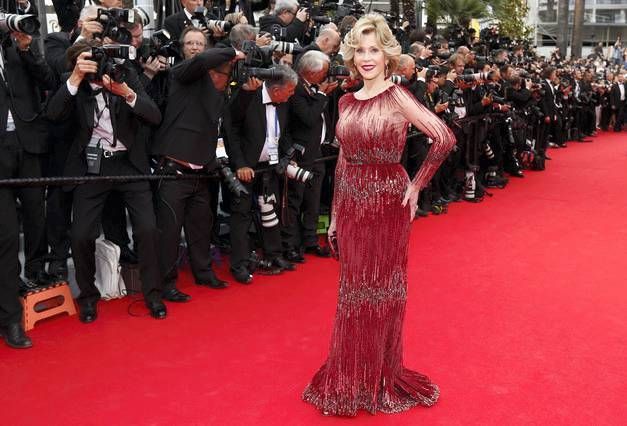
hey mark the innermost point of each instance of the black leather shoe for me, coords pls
(58, 269)
(421, 213)
(279, 262)
(174, 295)
(211, 281)
(294, 256)
(42, 279)
(15, 337)
(26, 286)
(267, 267)
(242, 275)
(88, 312)
(157, 309)
(318, 251)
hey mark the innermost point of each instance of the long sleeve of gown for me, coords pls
(427, 122)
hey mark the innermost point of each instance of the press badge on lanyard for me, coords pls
(273, 141)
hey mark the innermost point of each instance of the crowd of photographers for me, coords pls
(245, 117)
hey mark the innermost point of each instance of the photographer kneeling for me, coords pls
(257, 129)
(186, 144)
(107, 103)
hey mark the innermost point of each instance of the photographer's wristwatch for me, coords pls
(130, 97)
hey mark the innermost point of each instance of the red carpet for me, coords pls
(517, 309)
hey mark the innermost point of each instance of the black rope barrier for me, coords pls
(81, 180)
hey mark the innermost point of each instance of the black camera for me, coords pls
(278, 32)
(162, 45)
(338, 72)
(27, 24)
(112, 21)
(258, 63)
(199, 20)
(433, 71)
(106, 56)
(232, 182)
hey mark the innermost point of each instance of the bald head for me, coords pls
(328, 41)
(406, 66)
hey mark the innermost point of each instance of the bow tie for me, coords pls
(274, 104)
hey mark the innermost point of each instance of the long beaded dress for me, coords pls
(364, 368)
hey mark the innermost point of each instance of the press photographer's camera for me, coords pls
(27, 24)
(161, 44)
(113, 22)
(285, 166)
(106, 57)
(258, 63)
(199, 20)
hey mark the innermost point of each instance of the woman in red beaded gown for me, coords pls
(373, 207)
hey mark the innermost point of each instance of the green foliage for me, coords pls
(511, 16)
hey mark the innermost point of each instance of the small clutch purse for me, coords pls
(335, 252)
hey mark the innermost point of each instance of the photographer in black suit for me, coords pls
(176, 23)
(23, 75)
(550, 125)
(309, 119)
(107, 115)
(288, 18)
(618, 99)
(256, 133)
(186, 143)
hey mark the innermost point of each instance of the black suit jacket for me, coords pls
(175, 24)
(26, 74)
(472, 100)
(295, 30)
(306, 123)
(547, 103)
(189, 131)
(55, 46)
(80, 109)
(615, 101)
(418, 88)
(246, 129)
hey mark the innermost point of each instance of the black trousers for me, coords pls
(33, 211)
(114, 222)
(89, 203)
(58, 201)
(620, 118)
(264, 184)
(303, 209)
(10, 306)
(184, 204)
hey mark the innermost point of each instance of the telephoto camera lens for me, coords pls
(27, 24)
(269, 217)
(299, 174)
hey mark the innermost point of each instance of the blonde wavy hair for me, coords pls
(371, 23)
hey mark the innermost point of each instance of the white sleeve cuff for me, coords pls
(71, 88)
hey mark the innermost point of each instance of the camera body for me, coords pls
(106, 56)
(161, 44)
(113, 21)
(199, 20)
(258, 63)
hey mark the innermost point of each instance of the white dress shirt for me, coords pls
(103, 128)
(273, 130)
